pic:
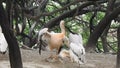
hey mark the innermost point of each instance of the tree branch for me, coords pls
(51, 13)
(100, 28)
(67, 14)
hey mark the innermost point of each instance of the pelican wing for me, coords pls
(3, 43)
(76, 48)
(42, 31)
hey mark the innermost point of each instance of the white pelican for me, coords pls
(3, 42)
(77, 51)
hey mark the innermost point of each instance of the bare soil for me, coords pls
(32, 59)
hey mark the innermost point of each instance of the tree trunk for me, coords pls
(91, 44)
(104, 43)
(91, 22)
(118, 52)
(104, 39)
(104, 35)
(14, 51)
(30, 42)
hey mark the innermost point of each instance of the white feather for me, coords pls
(42, 31)
(77, 51)
(64, 53)
(75, 38)
(3, 43)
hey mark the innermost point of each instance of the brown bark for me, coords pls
(104, 35)
(30, 41)
(104, 43)
(67, 14)
(14, 51)
(104, 39)
(91, 44)
(118, 52)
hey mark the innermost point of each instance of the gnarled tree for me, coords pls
(14, 51)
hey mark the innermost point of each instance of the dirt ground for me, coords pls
(32, 59)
